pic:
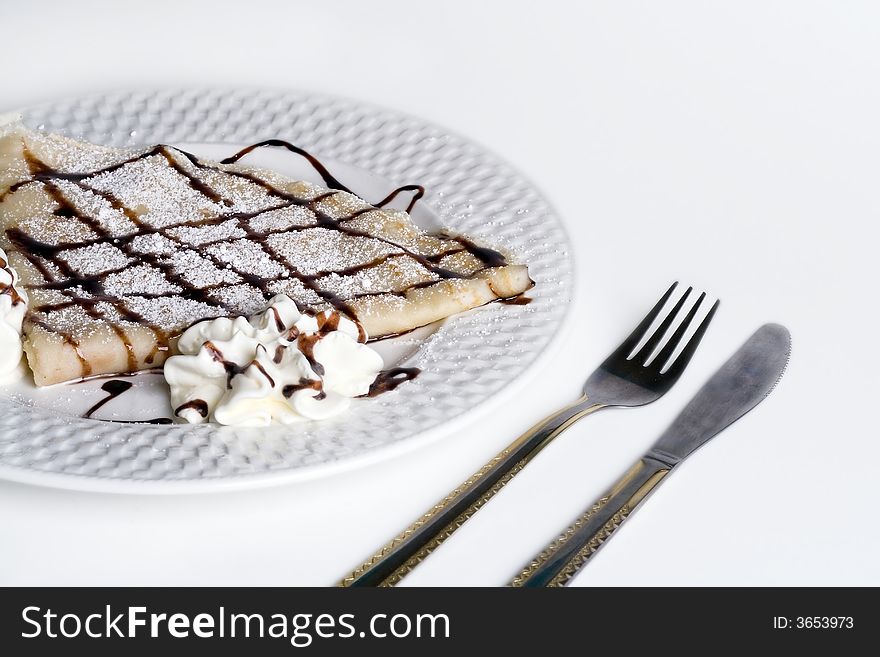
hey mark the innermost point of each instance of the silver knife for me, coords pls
(735, 389)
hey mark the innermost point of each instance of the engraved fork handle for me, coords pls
(398, 557)
(573, 548)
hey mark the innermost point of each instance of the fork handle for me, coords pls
(398, 557)
(558, 563)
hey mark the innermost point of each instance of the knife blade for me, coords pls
(736, 388)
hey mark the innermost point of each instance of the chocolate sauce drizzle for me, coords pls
(304, 384)
(10, 289)
(419, 193)
(114, 388)
(74, 285)
(155, 420)
(388, 380)
(518, 300)
(329, 180)
(198, 405)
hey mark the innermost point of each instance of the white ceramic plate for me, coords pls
(467, 361)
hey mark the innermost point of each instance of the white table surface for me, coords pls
(733, 146)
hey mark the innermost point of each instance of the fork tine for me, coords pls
(645, 352)
(676, 368)
(665, 354)
(632, 340)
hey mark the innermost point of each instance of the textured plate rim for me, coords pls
(255, 481)
(373, 455)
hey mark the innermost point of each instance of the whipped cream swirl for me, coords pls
(13, 305)
(280, 365)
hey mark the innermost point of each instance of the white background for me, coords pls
(734, 146)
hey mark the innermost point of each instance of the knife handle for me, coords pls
(398, 557)
(556, 564)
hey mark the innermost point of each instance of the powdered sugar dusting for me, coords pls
(57, 230)
(397, 225)
(316, 250)
(238, 194)
(247, 256)
(154, 244)
(40, 297)
(247, 299)
(94, 259)
(462, 262)
(72, 319)
(198, 235)
(200, 272)
(275, 221)
(173, 313)
(295, 289)
(394, 275)
(341, 205)
(160, 195)
(68, 155)
(97, 208)
(140, 279)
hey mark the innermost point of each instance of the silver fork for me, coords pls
(623, 380)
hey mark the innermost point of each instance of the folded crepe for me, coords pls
(121, 250)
